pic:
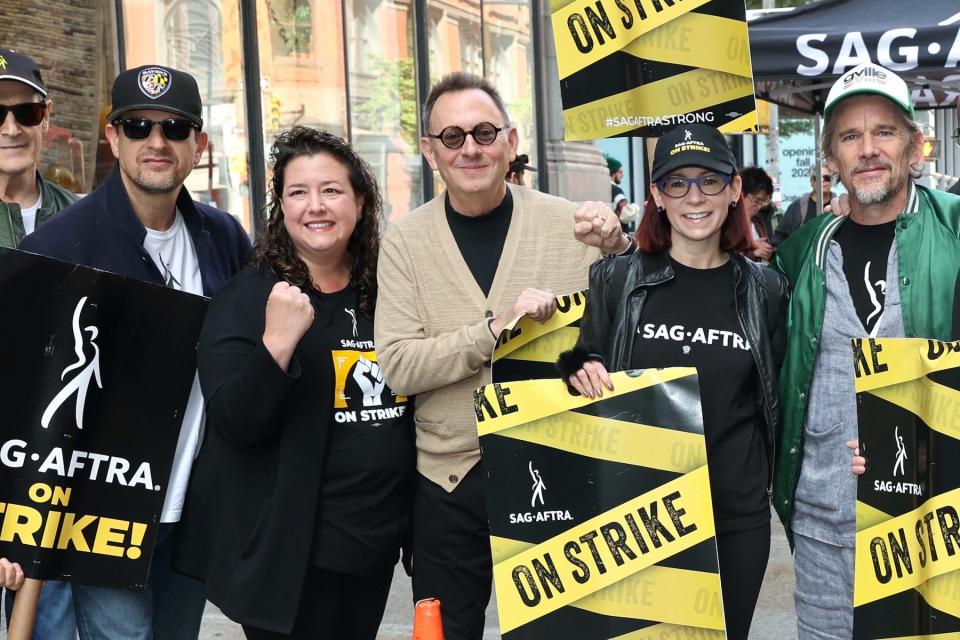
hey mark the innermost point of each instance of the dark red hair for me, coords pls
(653, 234)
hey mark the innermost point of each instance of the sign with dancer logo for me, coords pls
(642, 67)
(99, 371)
(601, 523)
(907, 579)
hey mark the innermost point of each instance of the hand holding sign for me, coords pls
(11, 575)
(289, 315)
(858, 463)
(537, 304)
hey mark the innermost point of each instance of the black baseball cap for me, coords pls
(157, 87)
(692, 145)
(16, 66)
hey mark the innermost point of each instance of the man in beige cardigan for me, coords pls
(452, 274)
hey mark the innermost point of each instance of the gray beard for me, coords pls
(875, 194)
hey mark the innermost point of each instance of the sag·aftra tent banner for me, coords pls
(907, 581)
(601, 523)
(98, 371)
(643, 67)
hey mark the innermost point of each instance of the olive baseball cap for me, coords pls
(157, 87)
(869, 78)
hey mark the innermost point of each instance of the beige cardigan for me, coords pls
(431, 321)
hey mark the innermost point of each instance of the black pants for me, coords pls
(336, 606)
(451, 553)
(743, 559)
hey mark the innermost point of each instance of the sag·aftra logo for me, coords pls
(87, 368)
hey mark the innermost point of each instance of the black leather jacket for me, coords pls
(618, 291)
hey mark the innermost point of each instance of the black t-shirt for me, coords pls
(365, 497)
(865, 251)
(481, 239)
(691, 321)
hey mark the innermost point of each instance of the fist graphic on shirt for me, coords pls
(370, 380)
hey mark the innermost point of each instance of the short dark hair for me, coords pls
(461, 81)
(653, 234)
(274, 248)
(756, 180)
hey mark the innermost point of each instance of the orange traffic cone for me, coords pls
(426, 620)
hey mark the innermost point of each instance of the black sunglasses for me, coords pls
(453, 136)
(139, 128)
(28, 114)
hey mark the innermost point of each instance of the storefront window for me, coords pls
(453, 33)
(203, 38)
(383, 98)
(508, 65)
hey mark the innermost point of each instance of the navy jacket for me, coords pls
(102, 231)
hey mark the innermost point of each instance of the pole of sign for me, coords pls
(25, 610)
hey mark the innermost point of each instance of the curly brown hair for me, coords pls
(274, 248)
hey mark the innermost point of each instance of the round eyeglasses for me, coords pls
(139, 128)
(453, 137)
(678, 186)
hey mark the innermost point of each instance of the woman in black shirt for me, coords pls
(688, 298)
(299, 499)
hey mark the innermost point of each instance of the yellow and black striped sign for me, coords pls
(907, 579)
(600, 513)
(642, 67)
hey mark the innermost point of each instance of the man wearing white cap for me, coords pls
(886, 270)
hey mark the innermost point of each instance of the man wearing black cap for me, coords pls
(26, 201)
(142, 223)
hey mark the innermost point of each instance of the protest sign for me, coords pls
(907, 579)
(642, 67)
(99, 368)
(600, 513)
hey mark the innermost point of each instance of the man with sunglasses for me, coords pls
(143, 224)
(451, 275)
(804, 208)
(26, 201)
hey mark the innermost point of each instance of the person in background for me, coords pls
(27, 201)
(688, 272)
(804, 208)
(515, 174)
(758, 191)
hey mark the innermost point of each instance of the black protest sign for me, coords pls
(907, 576)
(601, 523)
(99, 368)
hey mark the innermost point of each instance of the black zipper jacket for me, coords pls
(618, 291)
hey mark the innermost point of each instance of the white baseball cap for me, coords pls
(869, 78)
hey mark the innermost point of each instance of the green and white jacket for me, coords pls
(928, 261)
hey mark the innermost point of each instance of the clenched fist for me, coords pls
(596, 225)
(289, 315)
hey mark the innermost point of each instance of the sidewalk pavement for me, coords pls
(773, 620)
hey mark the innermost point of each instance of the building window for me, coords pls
(201, 37)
